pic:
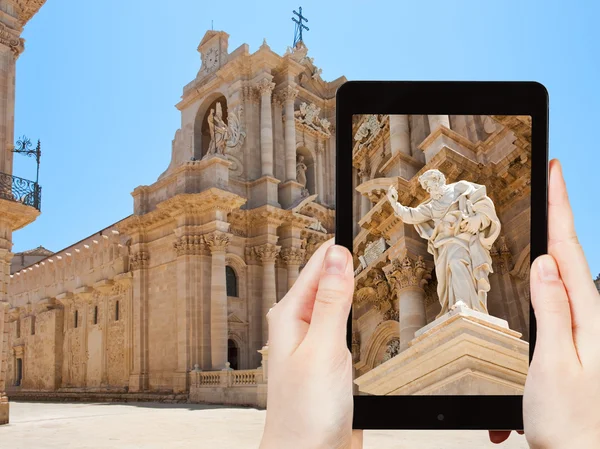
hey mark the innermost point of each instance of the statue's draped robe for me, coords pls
(462, 260)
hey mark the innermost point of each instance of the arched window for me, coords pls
(231, 282)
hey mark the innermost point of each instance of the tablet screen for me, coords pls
(441, 248)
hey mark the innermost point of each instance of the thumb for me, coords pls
(552, 310)
(333, 299)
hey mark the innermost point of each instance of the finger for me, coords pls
(333, 299)
(552, 312)
(564, 246)
(288, 322)
(357, 439)
(499, 436)
(305, 287)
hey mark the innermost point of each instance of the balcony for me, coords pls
(19, 190)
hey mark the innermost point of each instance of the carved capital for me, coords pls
(408, 273)
(217, 241)
(11, 39)
(288, 93)
(293, 256)
(139, 260)
(264, 86)
(187, 245)
(267, 253)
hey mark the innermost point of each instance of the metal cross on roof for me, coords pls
(299, 26)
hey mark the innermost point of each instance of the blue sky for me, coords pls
(99, 80)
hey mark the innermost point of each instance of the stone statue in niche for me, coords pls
(301, 170)
(224, 136)
(460, 223)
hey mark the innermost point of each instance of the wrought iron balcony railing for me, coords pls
(20, 190)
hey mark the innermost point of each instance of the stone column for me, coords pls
(267, 254)
(320, 184)
(435, 121)
(293, 258)
(288, 96)
(409, 277)
(399, 134)
(265, 87)
(365, 203)
(217, 243)
(138, 380)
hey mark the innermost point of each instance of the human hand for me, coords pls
(392, 194)
(562, 391)
(471, 224)
(309, 400)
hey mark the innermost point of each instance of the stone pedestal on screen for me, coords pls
(463, 352)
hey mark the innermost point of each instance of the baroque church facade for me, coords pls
(180, 288)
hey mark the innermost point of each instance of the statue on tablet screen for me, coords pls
(459, 222)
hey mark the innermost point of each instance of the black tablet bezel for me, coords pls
(452, 98)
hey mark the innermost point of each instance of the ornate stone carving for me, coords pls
(267, 253)
(408, 273)
(139, 260)
(11, 40)
(368, 130)
(371, 253)
(317, 226)
(392, 350)
(28, 8)
(224, 136)
(293, 256)
(301, 170)
(250, 94)
(308, 115)
(288, 93)
(190, 245)
(311, 243)
(264, 86)
(217, 241)
(375, 290)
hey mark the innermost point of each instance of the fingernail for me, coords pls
(335, 260)
(547, 268)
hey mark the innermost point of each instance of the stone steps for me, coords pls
(95, 396)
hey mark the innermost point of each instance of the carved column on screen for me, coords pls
(288, 95)
(293, 258)
(267, 254)
(409, 277)
(265, 87)
(320, 182)
(435, 121)
(399, 134)
(138, 261)
(217, 242)
(363, 173)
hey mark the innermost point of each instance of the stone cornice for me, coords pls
(212, 199)
(27, 9)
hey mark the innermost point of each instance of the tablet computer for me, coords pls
(442, 199)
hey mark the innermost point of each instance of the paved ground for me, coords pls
(179, 426)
